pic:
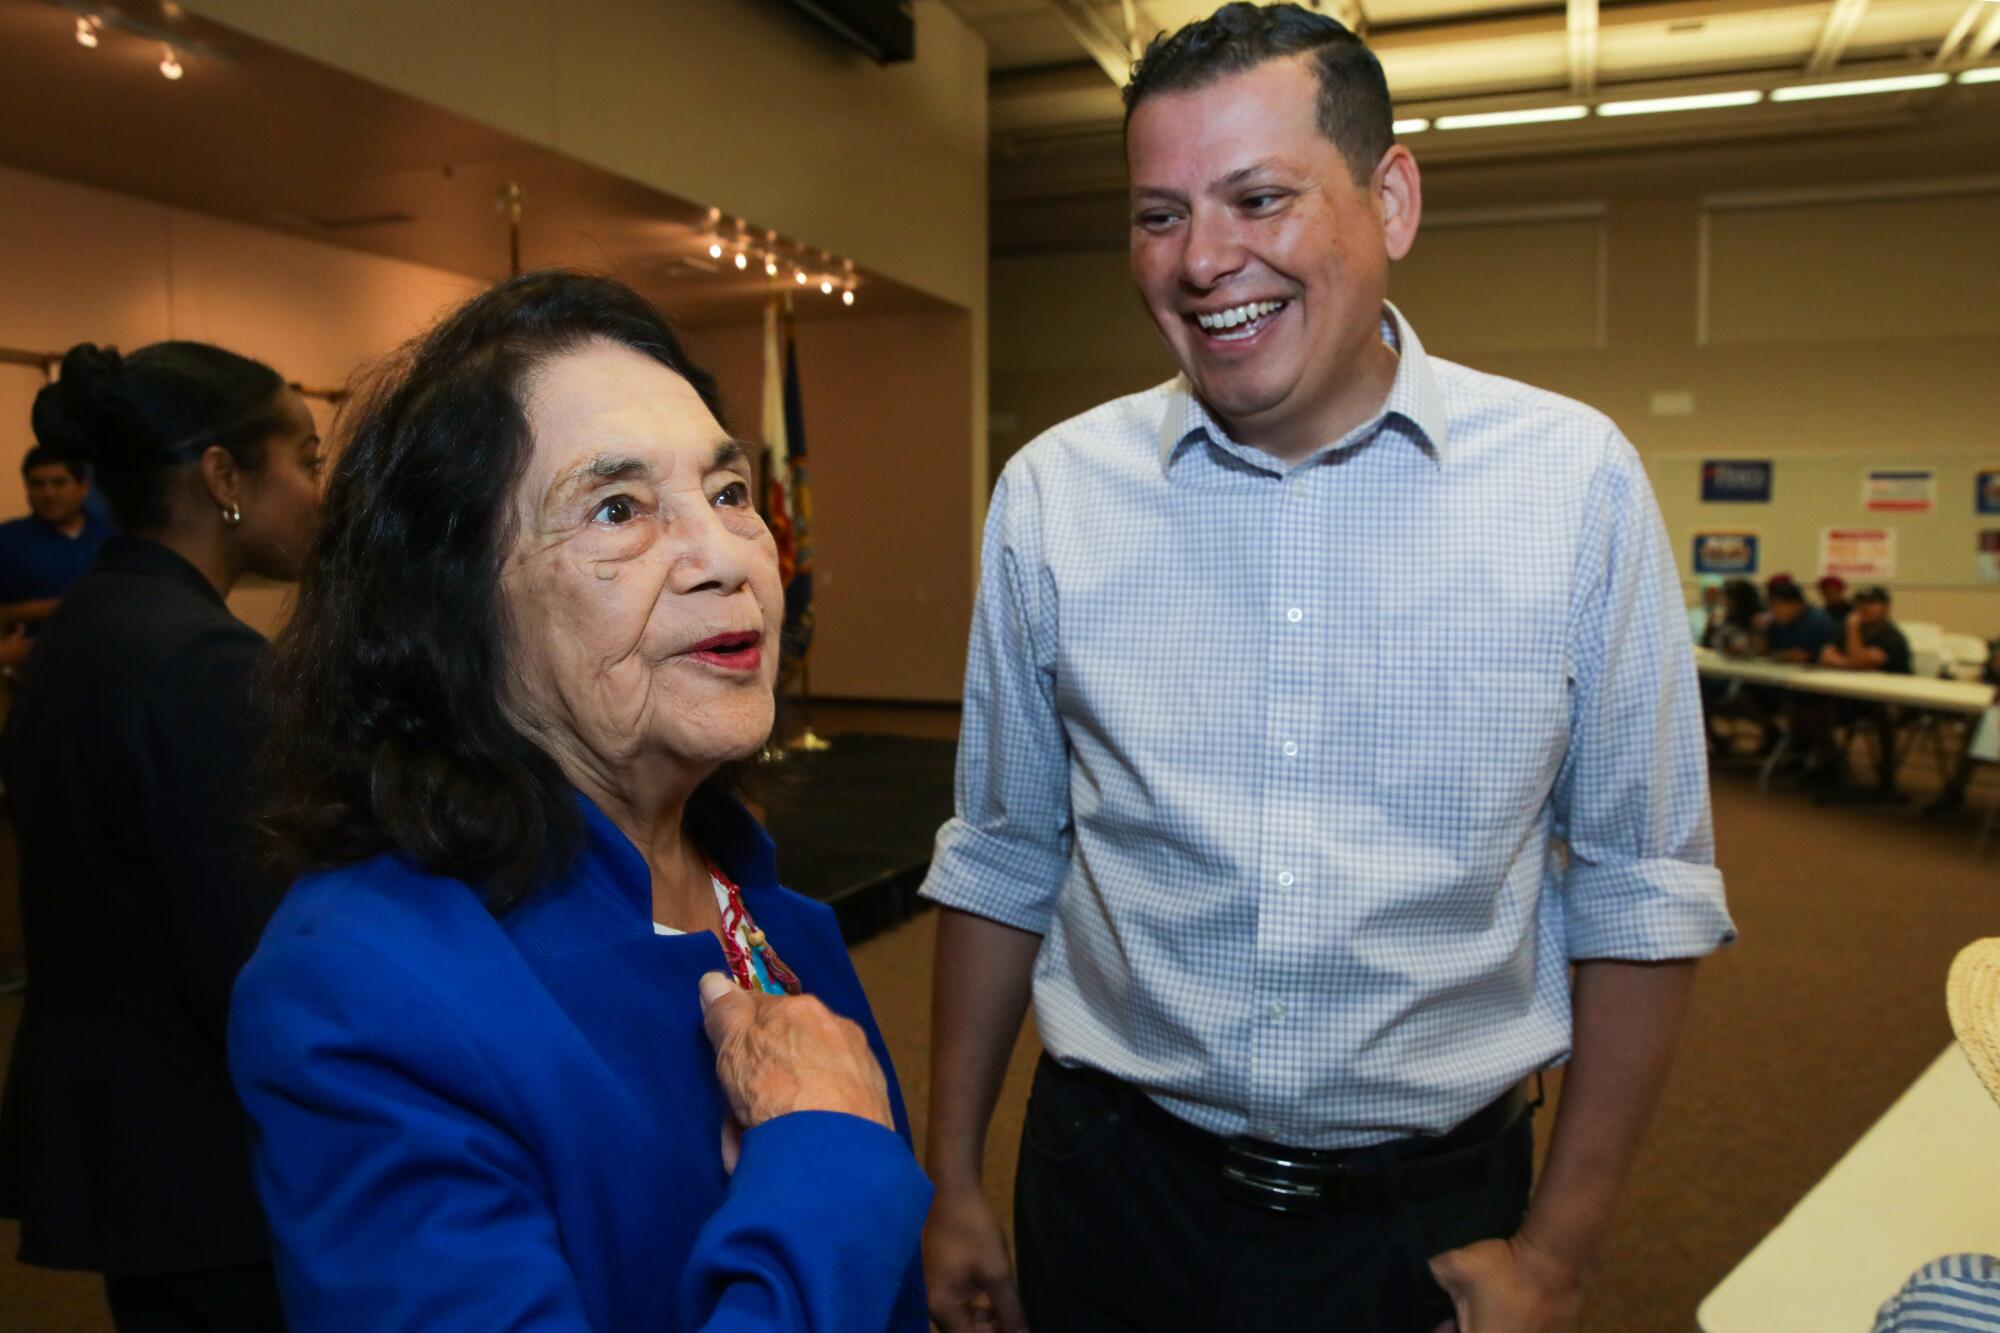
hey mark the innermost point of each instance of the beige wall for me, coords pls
(1602, 299)
(884, 412)
(78, 265)
(886, 397)
(748, 108)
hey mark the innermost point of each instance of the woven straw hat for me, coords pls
(1972, 995)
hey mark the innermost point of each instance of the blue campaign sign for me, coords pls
(1736, 481)
(1725, 553)
(1985, 491)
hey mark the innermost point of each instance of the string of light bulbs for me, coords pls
(90, 26)
(738, 248)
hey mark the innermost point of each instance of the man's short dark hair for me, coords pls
(1354, 109)
(40, 456)
(1873, 593)
(1788, 592)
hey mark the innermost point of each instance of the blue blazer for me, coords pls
(480, 1124)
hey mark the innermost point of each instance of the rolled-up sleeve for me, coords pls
(1631, 802)
(1006, 851)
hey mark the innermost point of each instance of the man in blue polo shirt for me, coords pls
(42, 555)
(1799, 631)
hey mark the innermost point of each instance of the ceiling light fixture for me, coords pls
(1991, 74)
(1414, 125)
(826, 286)
(799, 276)
(1647, 106)
(86, 33)
(1479, 120)
(770, 266)
(847, 297)
(1900, 83)
(715, 249)
(742, 260)
(170, 65)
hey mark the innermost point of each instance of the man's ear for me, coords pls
(1398, 191)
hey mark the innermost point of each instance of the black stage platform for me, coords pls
(854, 824)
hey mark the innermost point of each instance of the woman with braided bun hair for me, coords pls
(127, 760)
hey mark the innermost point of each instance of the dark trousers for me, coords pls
(214, 1300)
(1120, 1226)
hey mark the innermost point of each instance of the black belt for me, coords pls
(1282, 1179)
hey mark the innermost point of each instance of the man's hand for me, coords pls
(966, 1268)
(1508, 1286)
(777, 1054)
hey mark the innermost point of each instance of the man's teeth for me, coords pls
(1242, 314)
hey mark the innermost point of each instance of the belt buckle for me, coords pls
(1278, 1179)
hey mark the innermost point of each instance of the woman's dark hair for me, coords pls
(389, 732)
(1742, 602)
(1354, 109)
(137, 418)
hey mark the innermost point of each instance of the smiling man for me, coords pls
(1324, 707)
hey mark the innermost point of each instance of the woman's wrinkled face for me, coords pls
(640, 586)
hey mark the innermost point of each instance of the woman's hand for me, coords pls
(777, 1054)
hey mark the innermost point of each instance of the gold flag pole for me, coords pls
(809, 741)
(511, 199)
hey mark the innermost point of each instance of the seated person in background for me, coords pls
(1736, 636)
(1833, 596)
(42, 554)
(1705, 616)
(1872, 642)
(543, 619)
(1798, 632)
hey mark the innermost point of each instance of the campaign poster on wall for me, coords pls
(1989, 555)
(1986, 492)
(1736, 481)
(1859, 555)
(1725, 553)
(1899, 490)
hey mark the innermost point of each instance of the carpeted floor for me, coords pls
(1801, 1036)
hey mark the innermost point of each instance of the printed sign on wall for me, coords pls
(1986, 493)
(1863, 555)
(1725, 553)
(1989, 555)
(1736, 481)
(1899, 491)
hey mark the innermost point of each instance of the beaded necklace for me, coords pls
(752, 961)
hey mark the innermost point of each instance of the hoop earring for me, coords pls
(232, 514)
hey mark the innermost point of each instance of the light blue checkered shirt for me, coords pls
(1274, 756)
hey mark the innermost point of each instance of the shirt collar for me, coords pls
(1414, 398)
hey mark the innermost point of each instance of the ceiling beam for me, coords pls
(1960, 30)
(1835, 34)
(1988, 38)
(1103, 45)
(1582, 23)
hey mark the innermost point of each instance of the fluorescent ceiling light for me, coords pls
(1901, 83)
(1534, 116)
(1692, 102)
(1414, 125)
(1991, 74)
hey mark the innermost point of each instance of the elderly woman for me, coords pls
(541, 620)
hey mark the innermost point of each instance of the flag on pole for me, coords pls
(776, 500)
(798, 632)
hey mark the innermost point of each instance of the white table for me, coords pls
(1922, 693)
(1879, 687)
(1923, 1182)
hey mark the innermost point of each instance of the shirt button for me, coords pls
(1295, 615)
(1285, 879)
(1276, 1010)
(1290, 748)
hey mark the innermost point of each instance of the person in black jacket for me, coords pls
(126, 758)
